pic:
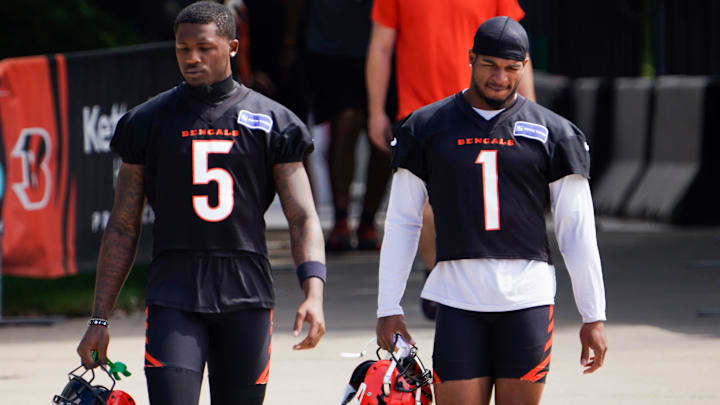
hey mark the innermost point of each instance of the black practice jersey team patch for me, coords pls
(255, 121)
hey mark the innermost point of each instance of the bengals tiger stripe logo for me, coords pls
(34, 149)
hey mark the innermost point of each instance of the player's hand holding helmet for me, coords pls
(400, 379)
(386, 329)
(96, 339)
(81, 390)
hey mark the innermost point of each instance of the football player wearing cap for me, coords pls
(492, 163)
(209, 156)
(440, 32)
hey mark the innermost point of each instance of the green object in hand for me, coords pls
(115, 368)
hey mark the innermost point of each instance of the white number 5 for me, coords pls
(203, 175)
(491, 196)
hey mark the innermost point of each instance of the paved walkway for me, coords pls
(661, 351)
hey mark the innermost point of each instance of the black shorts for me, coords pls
(235, 345)
(514, 344)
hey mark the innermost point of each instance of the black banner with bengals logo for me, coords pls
(57, 116)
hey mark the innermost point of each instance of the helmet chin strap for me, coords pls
(360, 354)
(403, 350)
(387, 378)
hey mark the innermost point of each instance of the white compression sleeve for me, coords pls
(574, 219)
(403, 222)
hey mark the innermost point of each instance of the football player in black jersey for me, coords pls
(209, 156)
(492, 163)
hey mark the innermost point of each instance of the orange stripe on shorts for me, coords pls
(152, 360)
(265, 375)
(537, 373)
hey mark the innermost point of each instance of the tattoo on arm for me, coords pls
(293, 188)
(120, 239)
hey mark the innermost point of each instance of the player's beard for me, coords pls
(497, 104)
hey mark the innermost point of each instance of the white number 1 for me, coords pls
(203, 175)
(491, 196)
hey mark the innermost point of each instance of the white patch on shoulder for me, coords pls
(393, 142)
(255, 120)
(530, 130)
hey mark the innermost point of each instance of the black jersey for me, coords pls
(208, 177)
(208, 169)
(487, 180)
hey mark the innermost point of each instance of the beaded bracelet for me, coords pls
(99, 322)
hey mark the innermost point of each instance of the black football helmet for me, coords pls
(81, 391)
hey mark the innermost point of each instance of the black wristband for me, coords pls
(99, 322)
(311, 269)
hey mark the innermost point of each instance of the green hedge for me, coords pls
(69, 296)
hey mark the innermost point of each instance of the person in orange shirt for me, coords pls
(429, 39)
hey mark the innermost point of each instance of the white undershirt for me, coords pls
(488, 114)
(493, 284)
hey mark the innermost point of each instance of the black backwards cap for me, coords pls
(501, 37)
